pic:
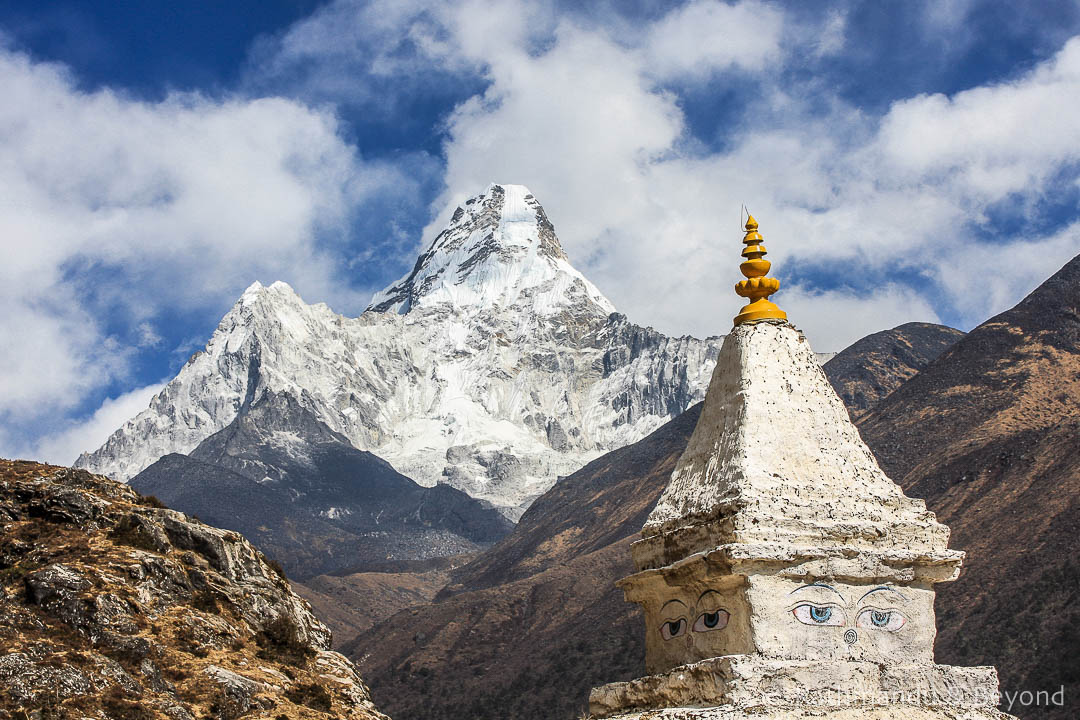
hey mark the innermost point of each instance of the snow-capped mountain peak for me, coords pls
(499, 250)
(494, 366)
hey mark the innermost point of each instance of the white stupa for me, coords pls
(782, 574)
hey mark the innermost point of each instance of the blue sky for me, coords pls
(907, 161)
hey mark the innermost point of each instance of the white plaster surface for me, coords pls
(754, 686)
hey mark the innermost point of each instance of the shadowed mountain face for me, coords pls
(529, 626)
(310, 500)
(864, 373)
(989, 434)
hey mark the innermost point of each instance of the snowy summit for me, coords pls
(494, 366)
(499, 249)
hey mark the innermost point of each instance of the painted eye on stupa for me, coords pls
(809, 614)
(673, 628)
(888, 620)
(707, 622)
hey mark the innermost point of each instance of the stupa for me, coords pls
(782, 574)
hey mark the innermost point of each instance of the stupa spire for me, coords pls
(756, 287)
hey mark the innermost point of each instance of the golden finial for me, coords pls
(756, 287)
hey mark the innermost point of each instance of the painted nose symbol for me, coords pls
(850, 637)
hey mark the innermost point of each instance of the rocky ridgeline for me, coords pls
(114, 606)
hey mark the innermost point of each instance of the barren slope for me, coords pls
(351, 602)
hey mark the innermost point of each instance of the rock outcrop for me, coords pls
(113, 606)
(313, 502)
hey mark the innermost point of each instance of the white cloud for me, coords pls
(147, 336)
(987, 142)
(830, 37)
(705, 36)
(181, 203)
(370, 54)
(64, 446)
(115, 210)
(650, 216)
(580, 108)
(833, 319)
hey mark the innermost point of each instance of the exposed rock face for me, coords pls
(494, 366)
(112, 605)
(500, 249)
(311, 500)
(864, 373)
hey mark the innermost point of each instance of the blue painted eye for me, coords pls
(818, 615)
(888, 620)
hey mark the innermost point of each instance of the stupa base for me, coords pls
(743, 686)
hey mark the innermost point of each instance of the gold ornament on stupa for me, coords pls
(756, 287)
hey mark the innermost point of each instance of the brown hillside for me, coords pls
(353, 602)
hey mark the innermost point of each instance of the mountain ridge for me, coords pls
(508, 369)
(872, 367)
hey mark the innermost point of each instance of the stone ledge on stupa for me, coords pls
(746, 686)
(836, 561)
